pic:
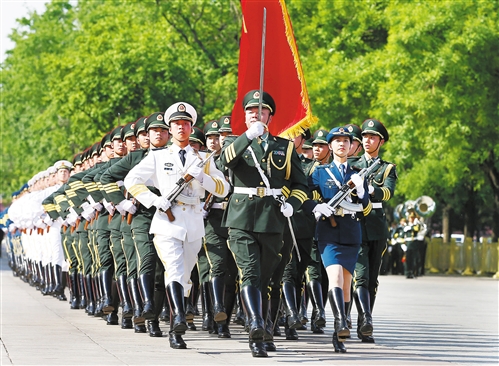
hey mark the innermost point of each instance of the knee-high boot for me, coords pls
(364, 322)
(178, 324)
(252, 301)
(126, 302)
(315, 292)
(337, 302)
(107, 288)
(218, 293)
(146, 286)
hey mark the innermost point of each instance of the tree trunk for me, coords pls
(470, 215)
(493, 174)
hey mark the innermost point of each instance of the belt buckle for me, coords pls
(224, 205)
(339, 211)
(260, 192)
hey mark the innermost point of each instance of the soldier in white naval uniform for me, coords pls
(177, 242)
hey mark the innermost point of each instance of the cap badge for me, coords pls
(341, 129)
(214, 125)
(370, 124)
(181, 108)
(256, 95)
(160, 117)
(350, 128)
(226, 120)
(320, 134)
(132, 126)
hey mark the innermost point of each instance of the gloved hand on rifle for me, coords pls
(359, 185)
(162, 203)
(72, 217)
(109, 206)
(126, 205)
(322, 209)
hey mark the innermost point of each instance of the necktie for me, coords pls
(181, 153)
(343, 172)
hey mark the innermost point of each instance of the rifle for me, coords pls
(208, 202)
(346, 189)
(130, 216)
(179, 187)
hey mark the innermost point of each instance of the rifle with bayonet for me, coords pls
(180, 186)
(339, 198)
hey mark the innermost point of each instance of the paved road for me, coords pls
(433, 320)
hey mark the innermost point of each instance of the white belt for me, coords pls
(260, 191)
(219, 205)
(186, 200)
(377, 205)
(340, 211)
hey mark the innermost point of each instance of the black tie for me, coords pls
(342, 171)
(182, 156)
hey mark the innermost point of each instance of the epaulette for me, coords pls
(354, 158)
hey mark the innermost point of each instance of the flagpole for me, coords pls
(262, 63)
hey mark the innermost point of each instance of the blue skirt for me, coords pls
(342, 254)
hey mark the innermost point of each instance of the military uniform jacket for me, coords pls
(112, 182)
(348, 230)
(281, 165)
(374, 225)
(214, 220)
(163, 168)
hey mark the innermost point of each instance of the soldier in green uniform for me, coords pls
(262, 165)
(140, 253)
(374, 226)
(223, 269)
(356, 146)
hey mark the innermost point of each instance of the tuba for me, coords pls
(398, 212)
(424, 206)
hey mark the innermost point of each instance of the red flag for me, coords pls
(283, 79)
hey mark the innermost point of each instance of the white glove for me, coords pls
(359, 185)
(85, 206)
(96, 205)
(370, 189)
(322, 209)
(39, 223)
(404, 247)
(203, 211)
(12, 228)
(88, 214)
(255, 130)
(287, 209)
(71, 218)
(407, 228)
(196, 172)
(162, 203)
(48, 221)
(126, 205)
(109, 207)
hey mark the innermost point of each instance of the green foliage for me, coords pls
(429, 70)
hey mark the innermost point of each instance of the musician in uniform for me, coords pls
(177, 242)
(262, 165)
(374, 226)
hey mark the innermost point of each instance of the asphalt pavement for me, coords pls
(431, 320)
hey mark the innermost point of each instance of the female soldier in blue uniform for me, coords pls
(339, 244)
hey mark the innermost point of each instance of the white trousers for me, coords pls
(179, 258)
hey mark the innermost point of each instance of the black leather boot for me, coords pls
(315, 292)
(252, 301)
(165, 311)
(176, 341)
(339, 347)
(175, 292)
(50, 290)
(313, 327)
(146, 286)
(59, 287)
(229, 302)
(364, 321)
(192, 301)
(289, 296)
(74, 300)
(107, 288)
(126, 303)
(46, 287)
(218, 293)
(112, 318)
(337, 302)
(126, 323)
(207, 307)
(90, 295)
(154, 329)
(239, 316)
(97, 286)
(83, 297)
(268, 334)
(133, 290)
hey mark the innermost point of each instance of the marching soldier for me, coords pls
(177, 241)
(374, 226)
(262, 165)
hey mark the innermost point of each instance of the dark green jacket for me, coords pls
(374, 225)
(281, 165)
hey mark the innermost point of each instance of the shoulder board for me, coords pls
(354, 158)
(159, 148)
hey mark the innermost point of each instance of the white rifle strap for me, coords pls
(328, 171)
